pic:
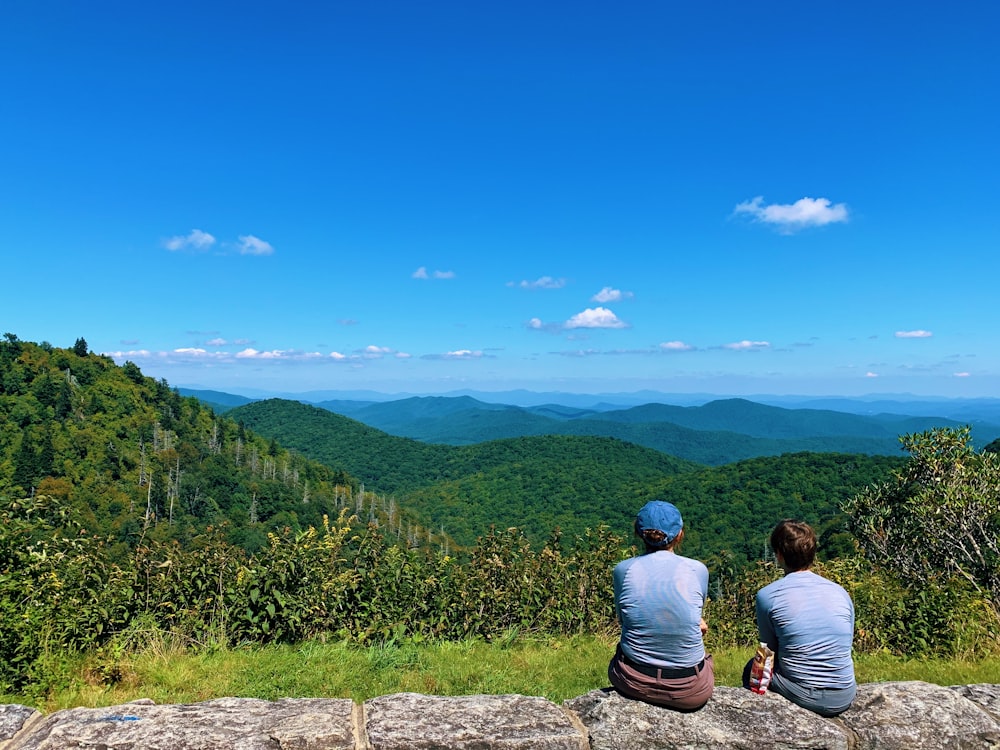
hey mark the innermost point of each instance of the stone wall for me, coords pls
(885, 716)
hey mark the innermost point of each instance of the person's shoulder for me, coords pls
(692, 563)
(833, 585)
(771, 588)
(626, 564)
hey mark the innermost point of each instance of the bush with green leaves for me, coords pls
(939, 517)
(59, 590)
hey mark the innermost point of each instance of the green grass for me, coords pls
(557, 668)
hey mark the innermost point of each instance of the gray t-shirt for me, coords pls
(659, 598)
(809, 623)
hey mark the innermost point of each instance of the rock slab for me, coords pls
(733, 718)
(410, 721)
(222, 724)
(884, 716)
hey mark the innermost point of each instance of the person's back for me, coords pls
(660, 596)
(809, 622)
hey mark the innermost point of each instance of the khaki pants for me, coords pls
(680, 694)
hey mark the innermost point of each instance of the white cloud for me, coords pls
(421, 273)
(962, 374)
(250, 245)
(194, 240)
(596, 317)
(747, 345)
(913, 334)
(545, 282)
(375, 352)
(609, 294)
(536, 323)
(216, 342)
(338, 356)
(871, 374)
(676, 346)
(790, 217)
(254, 354)
(463, 354)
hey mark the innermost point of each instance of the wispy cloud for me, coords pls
(871, 374)
(250, 245)
(676, 346)
(747, 345)
(196, 240)
(458, 354)
(913, 334)
(610, 294)
(422, 273)
(791, 217)
(250, 353)
(962, 374)
(595, 317)
(537, 324)
(375, 352)
(545, 282)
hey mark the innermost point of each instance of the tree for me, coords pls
(80, 348)
(940, 516)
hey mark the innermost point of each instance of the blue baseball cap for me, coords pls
(660, 515)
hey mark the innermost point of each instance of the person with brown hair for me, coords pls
(808, 621)
(659, 598)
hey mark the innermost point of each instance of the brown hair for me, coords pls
(795, 541)
(655, 539)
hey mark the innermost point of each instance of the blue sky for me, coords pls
(741, 198)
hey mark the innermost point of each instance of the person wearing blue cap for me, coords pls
(659, 598)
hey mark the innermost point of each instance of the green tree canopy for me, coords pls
(939, 516)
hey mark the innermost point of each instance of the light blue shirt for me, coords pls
(808, 621)
(659, 598)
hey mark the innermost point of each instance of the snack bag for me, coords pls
(762, 669)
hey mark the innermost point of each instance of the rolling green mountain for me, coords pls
(539, 483)
(715, 433)
(389, 464)
(218, 400)
(465, 421)
(384, 463)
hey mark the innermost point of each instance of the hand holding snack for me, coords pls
(762, 669)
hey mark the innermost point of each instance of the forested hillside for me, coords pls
(730, 510)
(537, 483)
(575, 483)
(136, 459)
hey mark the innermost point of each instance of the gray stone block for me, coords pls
(222, 724)
(906, 715)
(410, 721)
(733, 718)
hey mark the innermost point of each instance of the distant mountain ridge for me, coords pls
(976, 409)
(714, 433)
